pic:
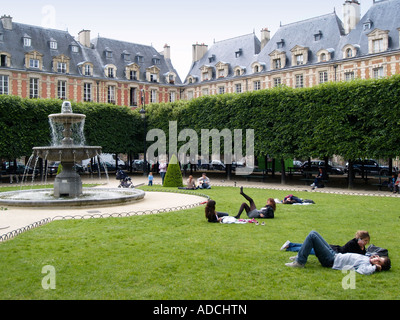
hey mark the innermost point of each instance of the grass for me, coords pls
(178, 255)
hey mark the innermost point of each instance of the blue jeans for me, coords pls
(323, 251)
(295, 247)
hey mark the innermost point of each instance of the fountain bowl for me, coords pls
(71, 153)
(92, 197)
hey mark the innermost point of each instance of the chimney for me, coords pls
(265, 37)
(199, 50)
(351, 15)
(7, 22)
(167, 52)
(84, 38)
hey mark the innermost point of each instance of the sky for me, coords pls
(178, 23)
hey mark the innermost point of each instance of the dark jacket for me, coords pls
(350, 247)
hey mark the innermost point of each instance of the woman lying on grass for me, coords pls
(338, 261)
(252, 212)
(211, 214)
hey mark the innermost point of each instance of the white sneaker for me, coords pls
(294, 264)
(312, 185)
(293, 258)
(285, 245)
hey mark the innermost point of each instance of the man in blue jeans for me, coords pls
(338, 261)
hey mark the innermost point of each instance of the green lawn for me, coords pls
(178, 255)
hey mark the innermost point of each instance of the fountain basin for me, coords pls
(70, 153)
(90, 197)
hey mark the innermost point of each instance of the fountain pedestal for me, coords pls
(67, 183)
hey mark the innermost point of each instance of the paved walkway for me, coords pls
(24, 218)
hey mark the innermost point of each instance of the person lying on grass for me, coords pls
(355, 245)
(252, 212)
(211, 214)
(338, 261)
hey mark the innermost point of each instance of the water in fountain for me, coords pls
(68, 184)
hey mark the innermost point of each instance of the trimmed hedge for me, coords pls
(351, 119)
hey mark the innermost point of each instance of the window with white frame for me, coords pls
(299, 59)
(3, 84)
(111, 94)
(323, 76)
(277, 82)
(299, 81)
(256, 85)
(62, 89)
(172, 96)
(75, 49)
(153, 96)
(61, 67)
(378, 72)
(34, 63)
(110, 72)
(53, 44)
(33, 88)
(377, 45)
(87, 92)
(221, 90)
(88, 70)
(27, 42)
(348, 76)
(277, 63)
(238, 88)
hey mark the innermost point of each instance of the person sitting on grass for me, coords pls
(339, 261)
(211, 214)
(355, 245)
(267, 212)
(203, 182)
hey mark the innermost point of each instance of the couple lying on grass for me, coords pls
(351, 256)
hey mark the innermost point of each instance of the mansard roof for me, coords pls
(238, 51)
(133, 50)
(382, 15)
(40, 41)
(317, 33)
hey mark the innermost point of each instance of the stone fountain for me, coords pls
(68, 183)
(68, 189)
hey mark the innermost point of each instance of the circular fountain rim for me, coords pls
(125, 196)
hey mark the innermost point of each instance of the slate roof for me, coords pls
(303, 33)
(224, 51)
(384, 15)
(40, 38)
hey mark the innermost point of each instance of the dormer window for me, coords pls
(277, 59)
(126, 55)
(53, 44)
(170, 77)
(74, 49)
(238, 53)
(206, 73)
(191, 79)
(239, 71)
(222, 69)
(378, 41)
(132, 71)
(280, 44)
(211, 58)
(299, 55)
(349, 51)
(152, 74)
(256, 67)
(61, 64)
(87, 70)
(109, 53)
(33, 60)
(367, 25)
(139, 58)
(110, 71)
(156, 61)
(318, 36)
(27, 41)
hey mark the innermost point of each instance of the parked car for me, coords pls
(217, 165)
(315, 164)
(369, 166)
(52, 168)
(8, 167)
(137, 165)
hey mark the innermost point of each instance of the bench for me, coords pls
(249, 177)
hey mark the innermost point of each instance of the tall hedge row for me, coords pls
(353, 119)
(24, 124)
